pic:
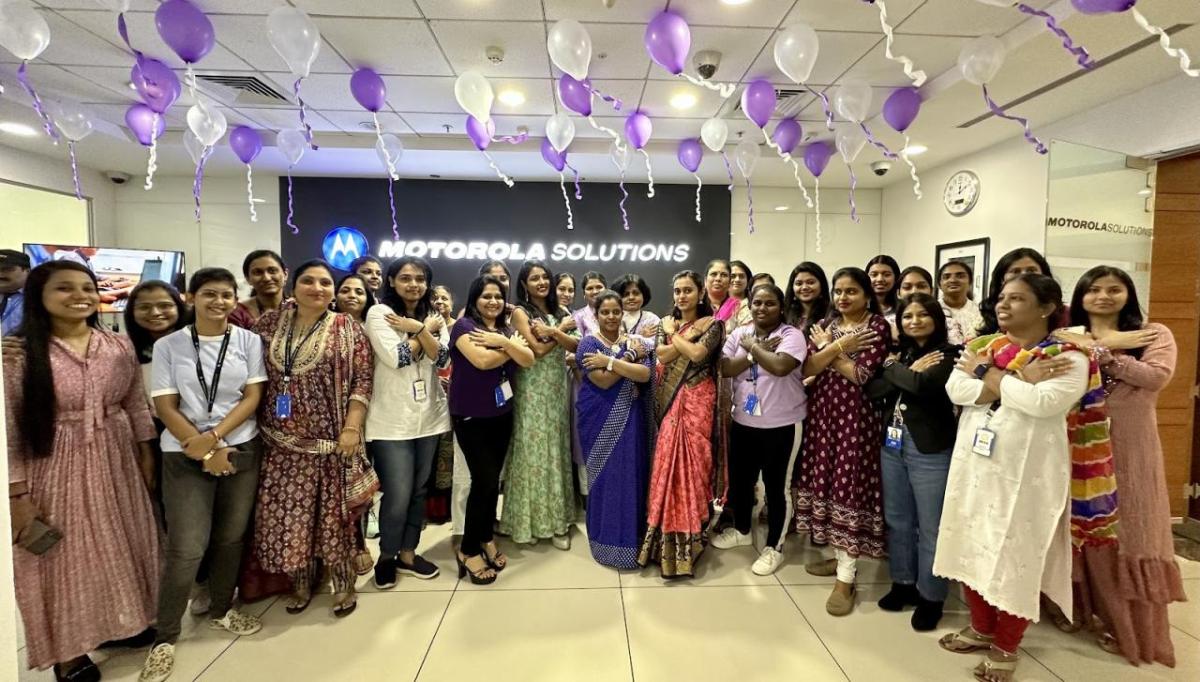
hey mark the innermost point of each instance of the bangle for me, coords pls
(216, 434)
(351, 427)
(610, 363)
(208, 455)
(840, 347)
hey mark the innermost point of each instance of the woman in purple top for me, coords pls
(485, 353)
(768, 407)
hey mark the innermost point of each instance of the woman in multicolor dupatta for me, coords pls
(615, 414)
(1032, 429)
(689, 465)
(320, 371)
(1129, 586)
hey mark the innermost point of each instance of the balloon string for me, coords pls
(817, 184)
(997, 110)
(1185, 62)
(512, 139)
(152, 162)
(750, 206)
(1081, 55)
(387, 156)
(295, 230)
(728, 170)
(198, 182)
(699, 184)
(882, 147)
(853, 184)
(649, 174)
(562, 185)
(23, 79)
(609, 131)
(799, 183)
(392, 204)
(74, 169)
(624, 196)
(726, 89)
(912, 169)
(250, 194)
(614, 101)
(308, 135)
(915, 75)
(824, 106)
(507, 180)
(578, 191)
(190, 79)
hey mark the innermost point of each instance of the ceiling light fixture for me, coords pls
(18, 129)
(915, 150)
(782, 208)
(131, 86)
(735, 2)
(511, 98)
(683, 100)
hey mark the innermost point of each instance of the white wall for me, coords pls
(55, 174)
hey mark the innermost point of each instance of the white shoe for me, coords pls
(768, 562)
(562, 542)
(201, 601)
(730, 538)
(159, 664)
(372, 530)
(236, 622)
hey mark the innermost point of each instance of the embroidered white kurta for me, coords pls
(1006, 531)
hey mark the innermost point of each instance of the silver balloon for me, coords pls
(291, 144)
(474, 94)
(560, 130)
(70, 118)
(796, 51)
(852, 100)
(570, 48)
(980, 60)
(849, 140)
(23, 30)
(207, 122)
(747, 155)
(714, 132)
(295, 37)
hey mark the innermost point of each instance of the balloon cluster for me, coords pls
(475, 96)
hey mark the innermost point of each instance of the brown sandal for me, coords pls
(1109, 643)
(996, 671)
(965, 641)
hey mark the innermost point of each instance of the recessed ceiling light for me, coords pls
(735, 2)
(683, 100)
(782, 208)
(18, 129)
(512, 98)
(131, 86)
(915, 149)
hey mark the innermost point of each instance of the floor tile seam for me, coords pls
(628, 642)
(813, 629)
(437, 630)
(229, 646)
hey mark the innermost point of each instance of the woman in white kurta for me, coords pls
(1005, 532)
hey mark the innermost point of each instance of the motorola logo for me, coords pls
(342, 245)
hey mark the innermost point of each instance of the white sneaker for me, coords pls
(236, 622)
(372, 530)
(730, 538)
(768, 562)
(562, 542)
(201, 601)
(159, 664)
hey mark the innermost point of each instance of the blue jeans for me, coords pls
(403, 467)
(914, 485)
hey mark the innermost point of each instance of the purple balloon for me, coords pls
(145, 123)
(368, 88)
(758, 101)
(246, 143)
(901, 108)
(668, 40)
(787, 135)
(481, 134)
(556, 159)
(637, 129)
(156, 83)
(690, 153)
(575, 95)
(816, 157)
(185, 29)
(1103, 6)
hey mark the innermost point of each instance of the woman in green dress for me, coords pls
(539, 495)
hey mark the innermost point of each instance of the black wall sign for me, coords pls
(457, 226)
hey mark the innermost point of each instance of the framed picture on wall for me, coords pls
(975, 253)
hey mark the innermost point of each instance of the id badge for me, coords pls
(753, 406)
(283, 406)
(503, 393)
(894, 439)
(420, 393)
(985, 440)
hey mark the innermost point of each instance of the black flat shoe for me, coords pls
(900, 597)
(142, 639)
(87, 672)
(927, 615)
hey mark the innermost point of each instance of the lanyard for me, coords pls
(633, 329)
(289, 356)
(210, 394)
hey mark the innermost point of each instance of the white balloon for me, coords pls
(118, 6)
(560, 130)
(474, 95)
(23, 30)
(70, 118)
(620, 156)
(852, 100)
(747, 155)
(395, 149)
(570, 48)
(295, 37)
(193, 145)
(714, 132)
(796, 51)
(849, 140)
(207, 122)
(981, 59)
(291, 143)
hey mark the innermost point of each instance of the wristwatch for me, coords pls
(981, 370)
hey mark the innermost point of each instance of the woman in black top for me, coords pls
(921, 427)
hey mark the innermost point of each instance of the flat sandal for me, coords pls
(995, 671)
(965, 641)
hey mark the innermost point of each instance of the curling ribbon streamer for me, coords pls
(608, 131)
(882, 147)
(392, 204)
(295, 230)
(728, 169)
(74, 169)
(624, 196)
(562, 184)
(649, 174)
(853, 184)
(699, 184)
(250, 194)
(912, 169)
(725, 89)
(198, 182)
(916, 75)
(997, 110)
(152, 162)
(137, 54)
(1081, 55)
(23, 79)
(507, 180)
(1185, 62)
(190, 77)
(308, 136)
(391, 165)
(578, 191)
(825, 106)
(512, 139)
(787, 158)
(817, 184)
(614, 101)
(750, 207)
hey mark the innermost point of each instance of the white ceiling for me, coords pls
(420, 46)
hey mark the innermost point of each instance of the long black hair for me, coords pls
(703, 307)
(746, 269)
(937, 339)
(476, 290)
(366, 287)
(525, 300)
(391, 298)
(143, 343)
(309, 265)
(988, 308)
(863, 281)
(917, 270)
(890, 298)
(38, 409)
(793, 308)
(1130, 317)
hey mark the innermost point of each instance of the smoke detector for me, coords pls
(494, 54)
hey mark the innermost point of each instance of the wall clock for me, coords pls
(962, 193)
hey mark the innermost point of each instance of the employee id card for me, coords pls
(420, 392)
(283, 406)
(894, 439)
(985, 441)
(504, 393)
(753, 406)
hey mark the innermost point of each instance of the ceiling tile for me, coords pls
(244, 36)
(628, 92)
(824, 15)
(658, 94)
(932, 54)
(135, 5)
(539, 96)
(391, 46)
(501, 10)
(434, 124)
(949, 18)
(739, 48)
(394, 9)
(356, 122)
(72, 44)
(617, 51)
(320, 90)
(55, 82)
(523, 43)
(584, 130)
(766, 13)
(592, 11)
(287, 119)
(839, 51)
(144, 36)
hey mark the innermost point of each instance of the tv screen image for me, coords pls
(117, 271)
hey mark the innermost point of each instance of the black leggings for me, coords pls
(770, 451)
(484, 442)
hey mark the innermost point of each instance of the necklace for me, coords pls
(614, 345)
(857, 323)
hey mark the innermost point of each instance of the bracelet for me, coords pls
(840, 347)
(215, 433)
(351, 427)
(610, 364)
(208, 455)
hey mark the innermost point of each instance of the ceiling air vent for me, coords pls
(250, 90)
(788, 101)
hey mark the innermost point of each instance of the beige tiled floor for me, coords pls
(556, 615)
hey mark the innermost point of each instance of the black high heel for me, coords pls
(475, 576)
(495, 561)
